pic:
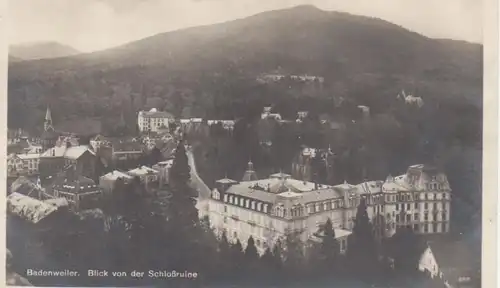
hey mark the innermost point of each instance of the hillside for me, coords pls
(41, 50)
(358, 57)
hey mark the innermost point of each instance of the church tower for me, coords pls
(47, 125)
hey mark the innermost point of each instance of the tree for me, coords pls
(237, 257)
(329, 247)
(183, 223)
(405, 248)
(293, 256)
(250, 258)
(361, 249)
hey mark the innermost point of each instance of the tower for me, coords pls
(48, 120)
(250, 174)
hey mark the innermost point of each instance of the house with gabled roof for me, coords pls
(452, 262)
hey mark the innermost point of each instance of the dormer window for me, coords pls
(265, 208)
(259, 206)
(231, 199)
(253, 205)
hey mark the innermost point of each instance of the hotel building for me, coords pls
(266, 208)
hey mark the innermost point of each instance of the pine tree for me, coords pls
(362, 252)
(329, 247)
(237, 257)
(293, 254)
(183, 222)
(250, 259)
(224, 257)
(406, 249)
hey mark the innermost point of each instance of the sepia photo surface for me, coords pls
(223, 143)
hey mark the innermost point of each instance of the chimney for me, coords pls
(315, 186)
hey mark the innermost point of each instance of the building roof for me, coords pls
(153, 113)
(369, 187)
(28, 156)
(73, 152)
(339, 233)
(226, 181)
(27, 208)
(127, 146)
(114, 175)
(452, 254)
(58, 202)
(23, 185)
(77, 185)
(144, 170)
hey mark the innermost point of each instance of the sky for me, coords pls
(90, 25)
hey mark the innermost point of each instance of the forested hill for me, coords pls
(201, 67)
(41, 50)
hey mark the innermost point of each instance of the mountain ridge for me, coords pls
(41, 50)
(355, 54)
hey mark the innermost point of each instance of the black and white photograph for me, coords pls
(245, 143)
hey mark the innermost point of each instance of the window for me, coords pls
(325, 206)
(247, 203)
(408, 206)
(225, 209)
(425, 196)
(225, 220)
(415, 227)
(426, 217)
(253, 205)
(416, 205)
(435, 206)
(397, 218)
(235, 235)
(397, 206)
(443, 228)
(225, 198)
(415, 216)
(241, 201)
(435, 228)
(257, 242)
(426, 206)
(231, 199)
(408, 217)
(443, 216)
(426, 228)
(265, 208)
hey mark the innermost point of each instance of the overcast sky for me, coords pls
(90, 25)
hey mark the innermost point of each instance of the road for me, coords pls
(198, 184)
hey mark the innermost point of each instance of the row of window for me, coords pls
(416, 217)
(416, 196)
(407, 206)
(246, 203)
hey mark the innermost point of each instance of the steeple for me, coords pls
(48, 120)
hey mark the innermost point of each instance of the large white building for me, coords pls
(266, 208)
(153, 120)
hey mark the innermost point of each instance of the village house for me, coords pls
(163, 169)
(22, 164)
(107, 182)
(25, 186)
(146, 175)
(63, 154)
(98, 141)
(152, 120)
(80, 192)
(451, 263)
